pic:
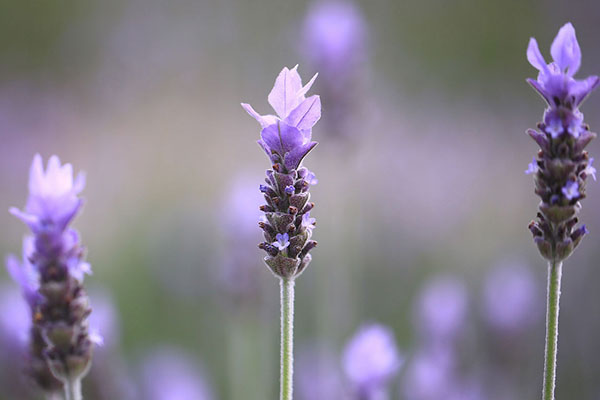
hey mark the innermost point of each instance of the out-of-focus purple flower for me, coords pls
(555, 81)
(286, 138)
(371, 359)
(571, 190)
(240, 213)
(510, 298)
(51, 275)
(104, 321)
(335, 42)
(169, 374)
(319, 375)
(532, 168)
(441, 309)
(15, 319)
(334, 35)
(430, 374)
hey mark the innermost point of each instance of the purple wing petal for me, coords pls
(307, 87)
(306, 115)
(283, 96)
(281, 137)
(581, 89)
(534, 56)
(565, 50)
(540, 89)
(294, 158)
(263, 120)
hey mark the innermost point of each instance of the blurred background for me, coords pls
(422, 204)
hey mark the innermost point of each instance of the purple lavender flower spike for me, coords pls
(370, 360)
(51, 276)
(562, 164)
(563, 169)
(286, 138)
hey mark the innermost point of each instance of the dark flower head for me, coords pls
(555, 81)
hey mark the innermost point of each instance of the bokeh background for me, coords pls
(422, 205)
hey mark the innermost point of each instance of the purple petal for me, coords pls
(540, 89)
(565, 50)
(263, 120)
(30, 220)
(281, 138)
(283, 96)
(306, 115)
(293, 159)
(534, 56)
(581, 89)
(307, 87)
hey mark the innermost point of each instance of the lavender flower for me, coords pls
(509, 298)
(15, 325)
(442, 309)
(563, 165)
(238, 269)
(334, 41)
(51, 276)
(286, 138)
(563, 169)
(169, 374)
(370, 360)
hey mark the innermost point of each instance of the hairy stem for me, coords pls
(287, 338)
(73, 389)
(554, 278)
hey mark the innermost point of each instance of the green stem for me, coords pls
(554, 278)
(73, 389)
(287, 338)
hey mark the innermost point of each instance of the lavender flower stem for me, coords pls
(73, 389)
(554, 279)
(287, 338)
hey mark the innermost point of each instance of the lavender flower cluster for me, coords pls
(562, 166)
(287, 139)
(51, 277)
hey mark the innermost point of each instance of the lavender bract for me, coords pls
(562, 166)
(51, 276)
(287, 139)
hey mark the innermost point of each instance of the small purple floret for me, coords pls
(282, 242)
(571, 190)
(533, 167)
(290, 189)
(590, 170)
